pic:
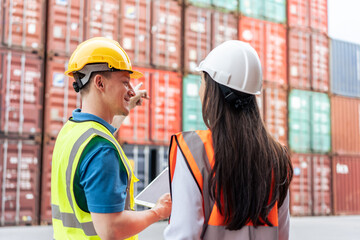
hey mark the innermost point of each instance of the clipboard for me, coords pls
(159, 186)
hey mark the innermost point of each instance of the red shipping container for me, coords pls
(309, 14)
(346, 177)
(320, 62)
(45, 216)
(165, 109)
(224, 27)
(269, 40)
(197, 36)
(345, 125)
(309, 60)
(102, 19)
(21, 93)
(310, 189)
(135, 24)
(166, 34)
(274, 106)
(20, 186)
(66, 26)
(23, 24)
(299, 58)
(60, 97)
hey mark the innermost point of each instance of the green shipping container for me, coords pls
(309, 122)
(200, 3)
(192, 113)
(268, 10)
(230, 5)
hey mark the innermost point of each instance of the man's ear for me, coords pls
(99, 82)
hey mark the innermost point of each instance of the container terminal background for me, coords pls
(310, 100)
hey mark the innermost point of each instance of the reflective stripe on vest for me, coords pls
(198, 153)
(69, 219)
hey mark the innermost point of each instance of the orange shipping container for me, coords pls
(166, 34)
(224, 27)
(102, 19)
(269, 40)
(60, 97)
(308, 14)
(21, 93)
(66, 26)
(135, 27)
(274, 107)
(45, 214)
(310, 189)
(23, 24)
(197, 36)
(19, 171)
(165, 106)
(309, 60)
(345, 125)
(346, 177)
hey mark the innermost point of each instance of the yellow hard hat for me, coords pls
(101, 50)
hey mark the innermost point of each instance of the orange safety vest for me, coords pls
(198, 152)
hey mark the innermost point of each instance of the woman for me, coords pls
(231, 181)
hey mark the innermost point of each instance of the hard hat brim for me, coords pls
(136, 74)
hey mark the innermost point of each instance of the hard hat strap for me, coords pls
(233, 99)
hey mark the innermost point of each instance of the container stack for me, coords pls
(21, 97)
(345, 125)
(309, 107)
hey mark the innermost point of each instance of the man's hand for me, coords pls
(163, 206)
(139, 96)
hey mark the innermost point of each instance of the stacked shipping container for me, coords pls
(21, 104)
(289, 36)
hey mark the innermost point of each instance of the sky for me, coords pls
(344, 20)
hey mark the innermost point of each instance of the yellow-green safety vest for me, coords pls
(69, 221)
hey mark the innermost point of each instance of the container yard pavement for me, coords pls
(319, 228)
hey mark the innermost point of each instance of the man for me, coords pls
(92, 180)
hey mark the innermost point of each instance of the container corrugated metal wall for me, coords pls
(275, 111)
(135, 27)
(345, 125)
(197, 35)
(309, 60)
(269, 41)
(224, 27)
(21, 93)
(166, 33)
(19, 171)
(23, 24)
(269, 10)
(228, 5)
(345, 68)
(346, 177)
(310, 189)
(47, 151)
(192, 110)
(66, 26)
(309, 122)
(102, 19)
(308, 14)
(60, 97)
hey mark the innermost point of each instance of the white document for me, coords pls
(158, 187)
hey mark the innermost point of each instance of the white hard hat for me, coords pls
(234, 64)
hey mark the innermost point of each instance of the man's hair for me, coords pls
(86, 88)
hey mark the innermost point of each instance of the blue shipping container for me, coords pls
(345, 68)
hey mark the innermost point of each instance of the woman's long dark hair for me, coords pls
(249, 162)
